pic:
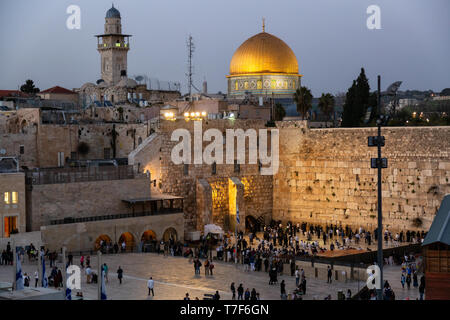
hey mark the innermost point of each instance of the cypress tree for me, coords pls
(356, 102)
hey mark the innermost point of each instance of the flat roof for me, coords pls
(158, 197)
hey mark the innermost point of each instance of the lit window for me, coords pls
(245, 85)
(7, 198)
(15, 197)
(259, 84)
(117, 44)
(236, 85)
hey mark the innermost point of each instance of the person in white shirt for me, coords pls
(88, 274)
(150, 285)
(36, 278)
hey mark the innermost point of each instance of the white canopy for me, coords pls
(212, 228)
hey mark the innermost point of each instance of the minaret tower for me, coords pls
(113, 47)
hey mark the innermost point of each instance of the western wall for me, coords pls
(325, 176)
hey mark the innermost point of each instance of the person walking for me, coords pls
(403, 280)
(408, 281)
(120, 274)
(233, 291)
(150, 285)
(422, 287)
(240, 291)
(283, 289)
(206, 265)
(105, 270)
(297, 277)
(82, 261)
(247, 294)
(36, 278)
(329, 274)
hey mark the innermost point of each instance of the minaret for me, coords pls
(113, 47)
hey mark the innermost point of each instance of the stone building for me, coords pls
(12, 199)
(324, 176)
(263, 66)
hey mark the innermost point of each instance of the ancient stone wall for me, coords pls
(83, 236)
(82, 199)
(181, 180)
(325, 176)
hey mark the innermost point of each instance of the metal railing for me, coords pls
(70, 175)
(161, 211)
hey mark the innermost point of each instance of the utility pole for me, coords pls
(379, 163)
(190, 71)
(99, 275)
(380, 211)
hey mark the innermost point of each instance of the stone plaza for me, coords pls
(174, 277)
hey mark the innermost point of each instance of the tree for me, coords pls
(303, 100)
(326, 105)
(356, 102)
(29, 87)
(279, 112)
(445, 92)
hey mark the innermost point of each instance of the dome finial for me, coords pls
(264, 24)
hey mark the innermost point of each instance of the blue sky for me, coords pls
(329, 38)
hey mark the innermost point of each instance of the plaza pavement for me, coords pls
(174, 277)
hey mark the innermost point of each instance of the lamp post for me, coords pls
(379, 163)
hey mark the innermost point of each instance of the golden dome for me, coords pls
(263, 53)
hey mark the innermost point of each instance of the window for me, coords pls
(22, 149)
(60, 159)
(186, 169)
(6, 198)
(274, 84)
(236, 86)
(237, 166)
(259, 84)
(73, 155)
(214, 168)
(15, 197)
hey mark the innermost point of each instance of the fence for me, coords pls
(70, 175)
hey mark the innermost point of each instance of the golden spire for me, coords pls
(264, 24)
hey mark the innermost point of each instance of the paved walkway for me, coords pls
(174, 277)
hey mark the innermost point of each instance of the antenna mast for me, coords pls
(190, 73)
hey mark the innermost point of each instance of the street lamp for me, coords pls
(379, 163)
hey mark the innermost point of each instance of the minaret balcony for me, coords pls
(105, 46)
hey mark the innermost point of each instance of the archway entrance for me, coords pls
(170, 233)
(148, 241)
(148, 235)
(251, 224)
(129, 241)
(106, 240)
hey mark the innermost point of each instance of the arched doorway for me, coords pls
(148, 241)
(148, 235)
(251, 224)
(105, 238)
(170, 233)
(128, 238)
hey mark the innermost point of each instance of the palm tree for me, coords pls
(303, 99)
(326, 104)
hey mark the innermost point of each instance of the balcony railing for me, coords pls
(161, 211)
(70, 175)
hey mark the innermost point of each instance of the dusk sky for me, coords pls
(329, 38)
